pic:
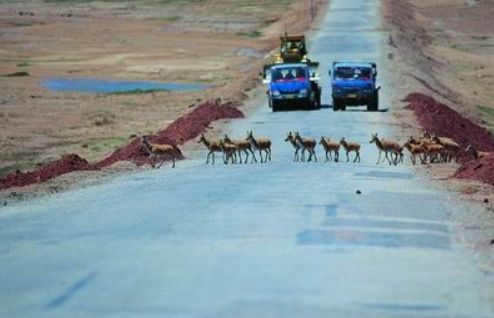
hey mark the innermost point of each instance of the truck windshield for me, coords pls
(288, 73)
(353, 72)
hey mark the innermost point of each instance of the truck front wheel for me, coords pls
(373, 106)
(275, 106)
(336, 104)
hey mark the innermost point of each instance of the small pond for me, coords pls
(91, 85)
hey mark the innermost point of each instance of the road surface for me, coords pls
(281, 239)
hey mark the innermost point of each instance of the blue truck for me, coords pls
(354, 84)
(292, 85)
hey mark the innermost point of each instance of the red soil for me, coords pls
(67, 163)
(443, 121)
(177, 133)
(181, 130)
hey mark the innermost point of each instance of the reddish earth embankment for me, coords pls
(181, 130)
(443, 121)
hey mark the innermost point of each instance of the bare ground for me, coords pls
(220, 44)
(445, 49)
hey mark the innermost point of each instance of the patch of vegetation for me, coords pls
(106, 143)
(250, 34)
(8, 169)
(16, 74)
(140, 91)
(173, 19)
(101, 118)
(486, 110)
(23, 64)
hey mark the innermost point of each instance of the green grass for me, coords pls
(23, 64)
(486, 110)
(173, 19)
(16, 74)
(250, 34)
(107, 143)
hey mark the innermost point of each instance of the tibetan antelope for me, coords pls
(291, 139)
(165, 151)
(451, 147)
(416, 149)
(242, 145)
(475, 153)
(261, 144)
(349, 147)
(330, 147)
(388, 146)
(229, 151)
(213, 146)
(308, 144)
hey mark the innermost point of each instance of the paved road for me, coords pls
(277, 240)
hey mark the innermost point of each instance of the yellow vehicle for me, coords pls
(292, 49)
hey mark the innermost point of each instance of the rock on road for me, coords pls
(281, 239)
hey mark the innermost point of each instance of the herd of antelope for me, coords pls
(424, 149)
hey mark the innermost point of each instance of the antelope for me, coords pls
(435, 152)
(415, 149)
(451, 147)
(430, 147)
(291, 139)
(475, 153)
(261, 144)
(330, 147)
(230, 152)
(387, 146)
(349, 147)
(164, 151)
(213, 146)
(308, 144)
(242, 145)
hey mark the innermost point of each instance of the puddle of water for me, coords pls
(376, 239)
(91, 85)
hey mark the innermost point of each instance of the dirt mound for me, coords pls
(481, 170)
(441, 120)
(68, 163)
(181, 130)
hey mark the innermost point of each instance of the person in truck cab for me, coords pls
(289, 75)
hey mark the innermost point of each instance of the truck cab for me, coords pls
(354, 84)
(292, 85)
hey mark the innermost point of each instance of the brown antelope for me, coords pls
(432, 151)
(213, 146)
(475, 153)
(242, 145)
(291, 139)
(165, 151)
(415, 149)
(387, 146)
(330, 147)
(261, 144)
(349, 147)
(308, 144)
(229, 151)
(435, 152)
(451, 147)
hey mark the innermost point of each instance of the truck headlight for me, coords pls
(337, 90)
(303, 92)
(276, 93)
